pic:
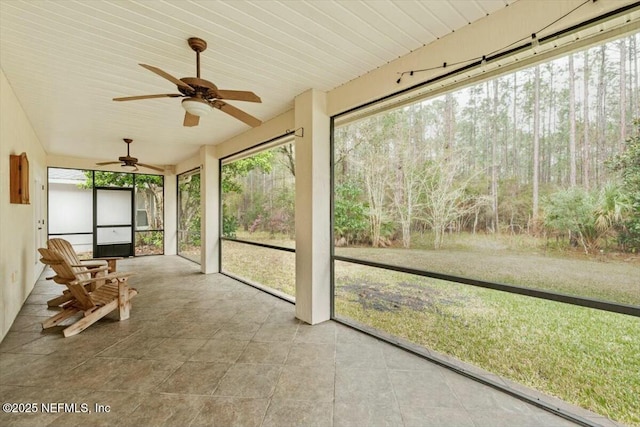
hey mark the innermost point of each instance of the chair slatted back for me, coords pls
(65, 274)
(65, 249)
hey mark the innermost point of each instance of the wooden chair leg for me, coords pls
(124, 303)
(54, 320)
(55, 302)
(90, 319)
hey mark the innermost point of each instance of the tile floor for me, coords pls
(206, 350)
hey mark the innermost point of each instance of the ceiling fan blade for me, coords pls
(167, 76)
(238, 95)
(151, 167)
(107, 163)
(164, 95)
(238, 114)
(191, 120)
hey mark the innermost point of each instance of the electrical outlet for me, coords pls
(13, 276)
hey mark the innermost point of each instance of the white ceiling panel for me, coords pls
(67, 59)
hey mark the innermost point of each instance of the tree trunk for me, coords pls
(623, 93)
(635, 100)
(586, 143)
(601, 117)
(516, 153)
(494, 157)
(536, 147)
(572, 124)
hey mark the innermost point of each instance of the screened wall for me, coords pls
(495, 223)
(258, 217)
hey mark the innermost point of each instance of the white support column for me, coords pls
(313, 272)
(170, 213)
(209, 197)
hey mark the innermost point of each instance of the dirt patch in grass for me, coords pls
(402, 295)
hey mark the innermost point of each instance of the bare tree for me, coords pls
(494, 157)
(623, 93)
(374, 163)
(585, 143)
(572, 124)
(536, 147)
(445, 198)
(409, 176)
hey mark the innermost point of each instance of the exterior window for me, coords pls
(498, 224)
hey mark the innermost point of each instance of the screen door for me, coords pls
(114, 222)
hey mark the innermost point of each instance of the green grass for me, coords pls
(584, 356)
(268, 267)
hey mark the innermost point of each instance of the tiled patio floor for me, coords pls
(206, 350)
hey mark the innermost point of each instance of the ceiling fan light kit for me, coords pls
(200, 95)
(196, 106)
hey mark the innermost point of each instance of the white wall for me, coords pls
(19, 266)
(65, 220)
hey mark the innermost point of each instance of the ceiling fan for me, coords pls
(130, 163)
(201, 96)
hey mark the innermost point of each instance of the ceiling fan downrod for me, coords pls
(198, 45)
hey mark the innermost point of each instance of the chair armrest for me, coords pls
(113, 258)
(108, 277)
(92, 269)
(92, 262)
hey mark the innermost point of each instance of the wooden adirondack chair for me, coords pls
(82, 268)
(94, 305)
(66, 250)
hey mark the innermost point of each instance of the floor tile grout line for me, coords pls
(393, 389)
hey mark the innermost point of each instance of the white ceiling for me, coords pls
(66, 60)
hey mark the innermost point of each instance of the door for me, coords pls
(41, 232)
(113, 234)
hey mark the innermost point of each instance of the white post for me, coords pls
(209, 198)
(313, 273)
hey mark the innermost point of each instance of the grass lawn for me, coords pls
(587, 357)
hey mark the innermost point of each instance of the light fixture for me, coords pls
(130, 168)
(196, 106)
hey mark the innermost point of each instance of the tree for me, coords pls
(373, 162)
(572, 124)
(350, 214)
(444, 194)
(586, 148)
(189, 209)
(231, 175)
(536, 147)
(409, 177)
(149, 188)
(590, 216)
(627, 165)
